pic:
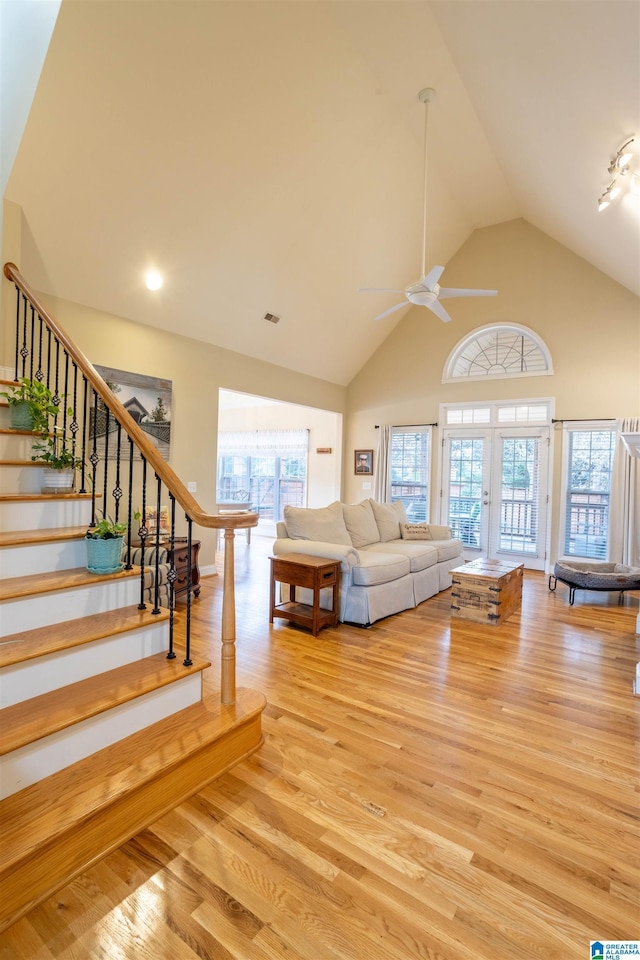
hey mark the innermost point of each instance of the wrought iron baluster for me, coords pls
(33, 329)
(171, 577)
(117, 492)
(17, 357)
(143, 532)
(156, 592)
(187, 650)
(24, 353)
(94, 458)
(128, 565)
(39, 373)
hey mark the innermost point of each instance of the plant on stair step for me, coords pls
(30, 404)
(104, 546)
(55, 449)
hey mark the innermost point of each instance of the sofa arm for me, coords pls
(348, 556)
(440, 533)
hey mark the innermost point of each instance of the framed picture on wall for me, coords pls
(363, 462)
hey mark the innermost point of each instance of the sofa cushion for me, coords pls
(375, 568)
(388, 517)
(420, 554)
(415, 531)
(325, 524)
(361, 523)
(447, 549)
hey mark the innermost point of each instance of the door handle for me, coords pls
(485, 502)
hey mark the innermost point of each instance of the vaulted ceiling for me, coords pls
(268, 157)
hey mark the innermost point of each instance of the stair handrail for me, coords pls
(228, 522)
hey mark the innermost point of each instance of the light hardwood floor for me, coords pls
(427, 788)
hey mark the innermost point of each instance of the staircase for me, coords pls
(100, 732)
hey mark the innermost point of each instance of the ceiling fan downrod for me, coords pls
(425, 96)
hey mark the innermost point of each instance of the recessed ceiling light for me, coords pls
(153, 280)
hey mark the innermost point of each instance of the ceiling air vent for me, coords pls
(271, 317)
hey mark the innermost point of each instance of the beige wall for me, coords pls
(590, 324)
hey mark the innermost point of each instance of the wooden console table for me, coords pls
(315, 573)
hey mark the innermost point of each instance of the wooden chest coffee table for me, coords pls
(487, 591)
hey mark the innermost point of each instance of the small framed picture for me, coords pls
(364, 462)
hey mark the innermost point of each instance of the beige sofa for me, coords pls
(388, 564)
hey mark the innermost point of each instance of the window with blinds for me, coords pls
(267, 468)
(589, 463)
(410, 469)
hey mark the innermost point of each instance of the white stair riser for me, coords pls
(44, 514)
(20, 561)
(40, 609)
(15, 446)
(21, 479)
(22, 681)
(45, 757)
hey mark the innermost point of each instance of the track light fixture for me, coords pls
(622, 159)
(620, 167)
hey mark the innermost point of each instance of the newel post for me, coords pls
(228, 678)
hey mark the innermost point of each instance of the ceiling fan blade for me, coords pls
(391, 310)
(436, 307)
(430, 279)
(378, 290)
(448, 292)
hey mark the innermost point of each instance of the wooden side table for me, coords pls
(315, 573)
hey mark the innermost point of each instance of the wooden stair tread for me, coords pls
(18, 538)
(17, 587)
(41, 641)
(31, 720)
(30, 497)
(37, 815)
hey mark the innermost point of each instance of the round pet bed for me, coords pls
(594, 575)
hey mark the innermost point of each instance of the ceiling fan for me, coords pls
(427, 292)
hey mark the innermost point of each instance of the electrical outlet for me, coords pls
(192, 486)
(366, 485)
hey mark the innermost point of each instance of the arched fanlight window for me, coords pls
(498, 351)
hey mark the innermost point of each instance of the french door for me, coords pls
(494, 491)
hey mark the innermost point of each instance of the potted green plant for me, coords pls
(104, 546)
(55, 450)
(30, 405)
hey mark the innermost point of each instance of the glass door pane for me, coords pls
(520, 496)
(467, 466)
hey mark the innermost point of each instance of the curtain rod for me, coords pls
(584, 420)
(396, 425)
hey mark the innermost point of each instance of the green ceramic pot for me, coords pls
(104, 556)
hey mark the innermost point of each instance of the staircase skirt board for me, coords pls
(27, 765)
(113, 795)
(31, 678)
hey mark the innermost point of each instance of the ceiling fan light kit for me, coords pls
(427, 292)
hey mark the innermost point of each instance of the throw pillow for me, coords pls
(415, 531)
(325, 524)
(389, 516)
(360, 523)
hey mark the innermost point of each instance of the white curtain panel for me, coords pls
(624, 519)
(263, 443)
(382, 481)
